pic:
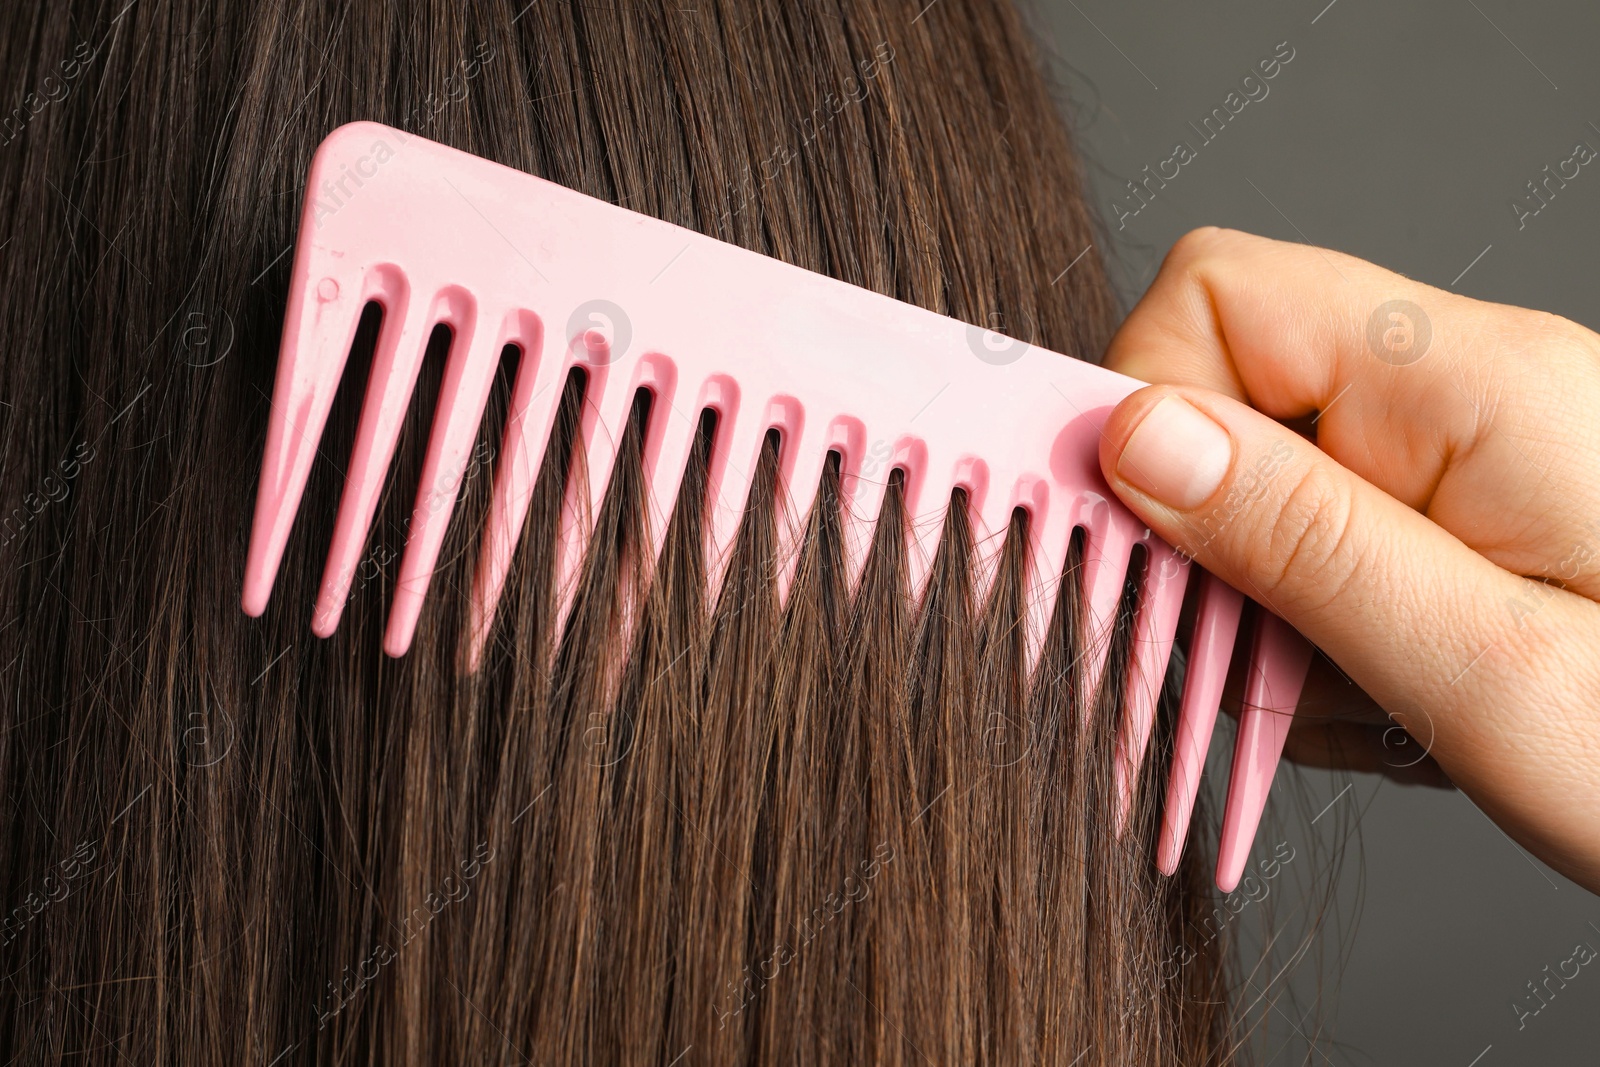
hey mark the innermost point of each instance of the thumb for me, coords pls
(1395, 600)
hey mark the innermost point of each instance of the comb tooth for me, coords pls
(735, 451)
(992, 518)
(535, 400)
(1279, 659)
(924, 529)
(799, 494)
(471, 370)
(1105, 567)
(1052, 539)
(861, 502)
(922, 542)
(1216, 626)
(394, 373)
(1160, 603)
(605, 419)
(678, 433)
(317, 337)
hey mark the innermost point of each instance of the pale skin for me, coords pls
(1435, 532)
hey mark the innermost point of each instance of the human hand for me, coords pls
(1440, 541)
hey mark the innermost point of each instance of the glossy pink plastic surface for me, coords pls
(1279, 660)
(1216, 627)
(434, 236)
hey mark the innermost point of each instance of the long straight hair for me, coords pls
(688, 825)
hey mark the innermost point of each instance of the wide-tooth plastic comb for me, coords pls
(434, 235)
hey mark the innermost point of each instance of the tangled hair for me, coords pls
(685, 826)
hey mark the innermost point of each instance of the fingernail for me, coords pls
(1176, 454)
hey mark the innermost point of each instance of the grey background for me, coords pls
(1400, 133)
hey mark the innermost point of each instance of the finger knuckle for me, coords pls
(1197, 246)
(1198, 240)
(1311, 554)
(1221, 261)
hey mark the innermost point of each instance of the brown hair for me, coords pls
(689, 827)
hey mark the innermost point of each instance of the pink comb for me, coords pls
(502, 258)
